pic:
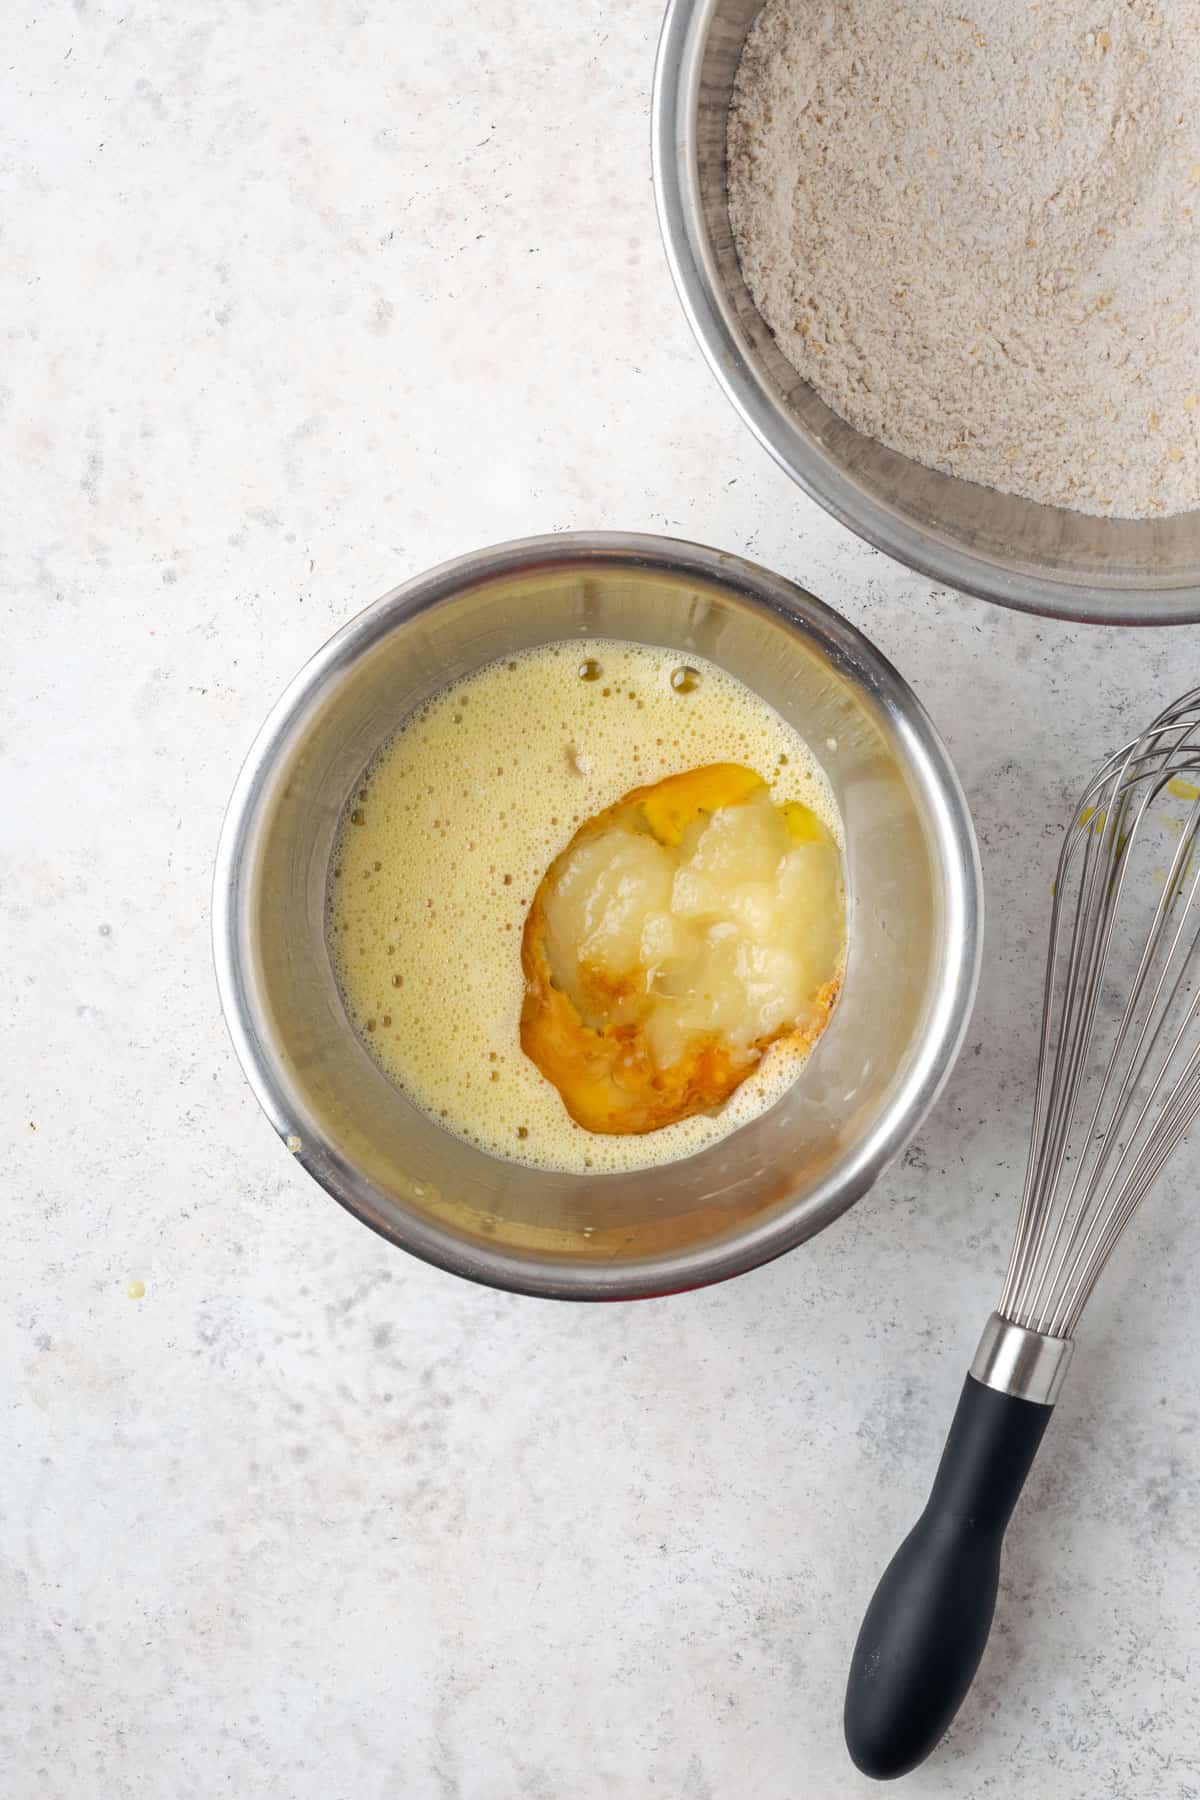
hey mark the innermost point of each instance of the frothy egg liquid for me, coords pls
(451, 829)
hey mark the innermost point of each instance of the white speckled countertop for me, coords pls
(296, 301)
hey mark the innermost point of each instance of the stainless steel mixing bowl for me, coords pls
(914, 924)
(1039, 558)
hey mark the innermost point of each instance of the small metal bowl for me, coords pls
(1041, 559)
(913, 928)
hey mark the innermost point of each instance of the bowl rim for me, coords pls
(729, 355)
(926, 762)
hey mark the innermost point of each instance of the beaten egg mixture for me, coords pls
(585, 907)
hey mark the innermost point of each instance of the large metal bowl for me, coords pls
(914, 924)
(1039, 558)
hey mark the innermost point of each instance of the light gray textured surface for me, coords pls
(298, 301)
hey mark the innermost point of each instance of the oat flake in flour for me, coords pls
(977, 234)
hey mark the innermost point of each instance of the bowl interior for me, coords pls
(1010, 549)
(912, 939)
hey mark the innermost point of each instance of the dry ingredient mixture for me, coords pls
(977, 234)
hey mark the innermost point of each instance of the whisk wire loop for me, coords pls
(1118, 1073)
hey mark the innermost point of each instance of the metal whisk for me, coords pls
(1118, 1084)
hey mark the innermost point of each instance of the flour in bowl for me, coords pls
(977, 234)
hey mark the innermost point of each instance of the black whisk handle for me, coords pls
(927, 1624)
